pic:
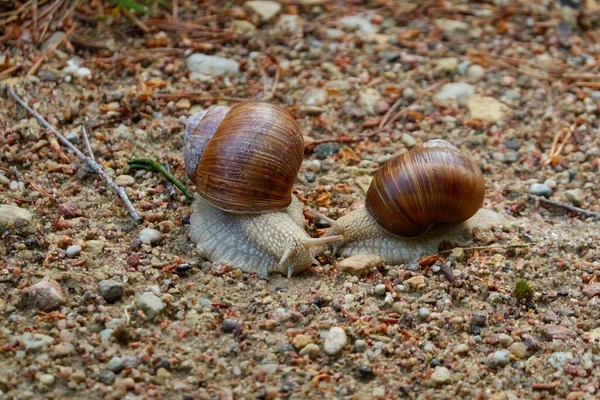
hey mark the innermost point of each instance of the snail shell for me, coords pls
(431, 184)
(244, 159)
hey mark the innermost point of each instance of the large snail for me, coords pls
(243, 161)
(416, 201)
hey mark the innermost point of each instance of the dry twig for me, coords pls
(133, 213)
(582, 211)
(556, 149)
(87, 143)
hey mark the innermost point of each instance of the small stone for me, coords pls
(151, 304)
(183, 104)
(500, 358)
(229, 325)
(424, 312)
(409, 94)
(124, 384)
(324, 150)
(559, 359)
(391, 56)
(518, 350)
(73, 251)
(513, 144)
(552, 332)
(15, 219)
(47, 379)
(314, 97)
(64, 349)
(475, 72)
(595, 95)
(46, 295)
(367, 99)
(36, 341)
(301, 341)
(162, 374)
(446, 64)
(592, 290)
(540, 189)
(360, 23)
(575, 196)
(441, 375)
(380, 289)
(106, 376)
(115, 364)
(505, 340)
(243, 27)
(457, 90)
(462, 348)
(415, 281)
(266, 10)
(311, 350)
(479, 318)
(53, 40)
(451, 26)
(150, 236)
(124, 180)
(290, 24)
(95, 247)
(335, 341)
(487, 109)
(360, 346)
(111, 290)
(211, 65)
(69, 210)
(83, 72)
(73, 137)
(463, 67)
(360, 265)
(408, 140)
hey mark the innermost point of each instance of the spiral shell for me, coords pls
(432, 184)
(249, 161)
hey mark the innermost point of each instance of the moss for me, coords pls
(523, 291)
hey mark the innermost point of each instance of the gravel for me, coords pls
(150, 304)
(335, 341)
(111, 290)
(540, 189)
(150, 236)
(46, 295)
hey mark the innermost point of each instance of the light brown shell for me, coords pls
(251, 162)
(432, 184)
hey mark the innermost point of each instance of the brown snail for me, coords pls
(243, 161)
(416, 201)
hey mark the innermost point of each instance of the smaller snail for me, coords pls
(416, 201)
(243, 161)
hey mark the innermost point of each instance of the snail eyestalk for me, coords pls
(151, 165)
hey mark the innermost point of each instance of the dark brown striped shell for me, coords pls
(431, 184)
(250, 163)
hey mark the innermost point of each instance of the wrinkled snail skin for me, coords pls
(417, 201)
(243, 162)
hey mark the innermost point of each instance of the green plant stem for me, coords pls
(151, 165)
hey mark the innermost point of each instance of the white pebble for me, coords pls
(150, 236)
(74, 250)
(380, 289)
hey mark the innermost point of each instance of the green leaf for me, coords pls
(132, 5)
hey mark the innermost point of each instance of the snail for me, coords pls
(415, 202)
(243, 161)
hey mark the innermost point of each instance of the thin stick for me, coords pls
(275, 82)
(586, 213)
(175, 9)
(87, 143)
(495, 247)
(133, 213)
(48, 51)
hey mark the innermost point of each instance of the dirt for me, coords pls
(183, 327)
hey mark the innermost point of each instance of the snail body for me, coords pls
(416, 201)
(243, 162)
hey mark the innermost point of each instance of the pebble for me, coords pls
(106, 376)
(540, 189)
(360, 346)
(73, 137)
(314, 97)
(408, 140)
(380, 289)
(359, 265)
(125, 384)
(183, 104)
(242, 27)
(311, 350)
(462, 348)
(73, 251)
(324, 150)
(415, 281)
(301, 341)
(409, 94)
(111, 290)
(290, 24)
(500, 358)
(505, 340)
(595, 95)
(451, 26)
(479, 318)
(367, 99)
(211, 65)
(475, 72)
(558, 332)
(229, 325)
(150, 236)
(266, 10)
(47, 379)
(559, 359)
(151, 304)
(64, 349)
(458, 90)
(115, 364)
(124, 180)
(575, 196)
(335, 341)
(36, 341)
(463, 67)
(487, 108)
(353, 21)
(518, 350)
(424, 312)
(53, 40)
(446, 64)
(15, 219)
(46, 295)
(513, 144)
(441, 375)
